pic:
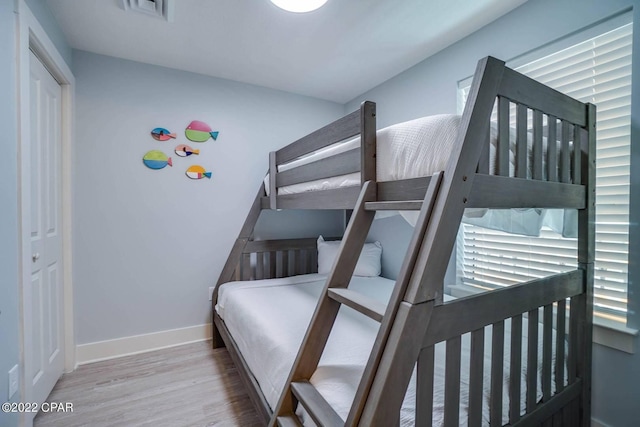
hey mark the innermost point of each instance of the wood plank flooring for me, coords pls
(189, 385)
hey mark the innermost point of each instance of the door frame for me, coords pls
(32, 36)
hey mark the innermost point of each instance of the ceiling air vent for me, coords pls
(162, 9)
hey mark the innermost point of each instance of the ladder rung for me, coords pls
(362, 303)
(289, 421)
(399, 205)
(317, 407)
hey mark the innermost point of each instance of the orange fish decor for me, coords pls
(198, 172)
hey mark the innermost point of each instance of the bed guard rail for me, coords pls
(361, 159)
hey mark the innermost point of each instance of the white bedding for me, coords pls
(422, 147)
(268, 320)
(412, 149)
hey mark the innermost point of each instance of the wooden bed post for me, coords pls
(586, 259)
(246, 232)
(368, 142)
(273, 172)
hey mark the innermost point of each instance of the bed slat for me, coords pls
(502, 154)
(280, 244)
(579, 134)
(476, 360)
(547, 336)
(246, 266)
(273, 264)
(309, 261)
(565, 153)
(574, 315)
(560, 336)
(515, 368)
(424, 387)
(284, 263)
(339, 164)
(532, 360)
(259, 265)
(337, 198)
(521, 141)
(273, 173)
(343, 128)
(278, 267)
(498, 192)
(552, 153)
(452, 383)
(537, 166)
(299, 262)
(497, 359)
(406, 189)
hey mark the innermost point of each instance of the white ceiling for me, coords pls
(335, 53)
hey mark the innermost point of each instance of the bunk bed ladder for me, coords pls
(298, 389)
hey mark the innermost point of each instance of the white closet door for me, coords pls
(42, 297)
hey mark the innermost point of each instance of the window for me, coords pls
(597, 70)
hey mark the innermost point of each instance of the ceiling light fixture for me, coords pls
(299, 6)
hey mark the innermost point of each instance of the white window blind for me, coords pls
(597, 70)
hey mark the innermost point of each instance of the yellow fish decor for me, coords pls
(198, 172)
(156, 159)
(198, 131)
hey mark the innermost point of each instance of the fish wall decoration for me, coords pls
(161, 134)
(198, 131)
(198, 172)
(185, 151)
(156, 159)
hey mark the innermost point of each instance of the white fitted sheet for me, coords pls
(268, 320)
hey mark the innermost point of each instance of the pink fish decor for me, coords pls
(198, 131)
(185, 151)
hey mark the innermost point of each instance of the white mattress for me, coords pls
(268, 320)
(422, 147)
(412, 149)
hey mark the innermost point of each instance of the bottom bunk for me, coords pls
(263, 323)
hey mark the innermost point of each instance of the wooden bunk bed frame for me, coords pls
(416, 317)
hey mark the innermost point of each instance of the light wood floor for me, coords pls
(190, 385)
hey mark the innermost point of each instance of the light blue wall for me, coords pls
(148, 244)
(43, 14)
(430, 88)
(9, 321)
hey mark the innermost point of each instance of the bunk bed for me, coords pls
(520, 355)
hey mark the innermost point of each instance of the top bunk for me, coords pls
(527, 143)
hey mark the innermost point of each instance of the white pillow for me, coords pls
(368, 263)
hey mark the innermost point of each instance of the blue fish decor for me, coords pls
(156, 159)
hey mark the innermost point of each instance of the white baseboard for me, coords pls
(119, 347)
(596, 423)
